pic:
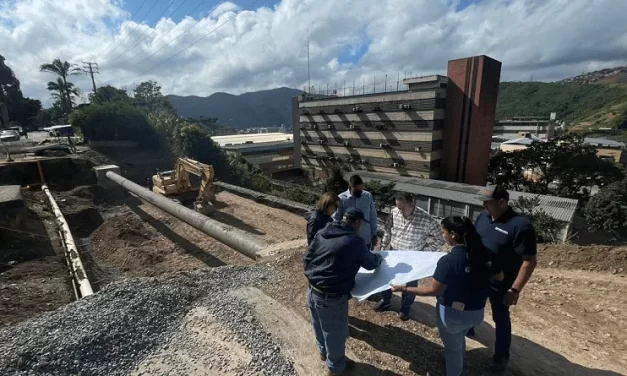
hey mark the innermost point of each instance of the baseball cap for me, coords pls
(494, 192)
(353, 214)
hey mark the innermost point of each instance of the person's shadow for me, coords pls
(419, 352)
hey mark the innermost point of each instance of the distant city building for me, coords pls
(520, 143)
(608, 149)
(439, 128)
(270, 152)
(543, 128)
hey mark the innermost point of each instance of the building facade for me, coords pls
(408, 133)
(270, 152)
(539, 127)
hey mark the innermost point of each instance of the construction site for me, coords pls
(100, 275)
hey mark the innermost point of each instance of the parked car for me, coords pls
(9, 135)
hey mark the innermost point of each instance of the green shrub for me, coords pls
(115, 122)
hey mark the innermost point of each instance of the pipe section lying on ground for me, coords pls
(70, 247)
(235, 238)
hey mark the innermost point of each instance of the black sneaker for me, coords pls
(350, 365)
(382, 306)
(471, 333)
(404, 316)
(499, 365)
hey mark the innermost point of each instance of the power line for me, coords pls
(136, 24)
(177, 37)
(140, 39)
(169, 31)
(124, 28)
(194, 43)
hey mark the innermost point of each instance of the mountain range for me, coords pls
(266, 108)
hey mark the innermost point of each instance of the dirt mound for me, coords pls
(125, 242)
(594, 257)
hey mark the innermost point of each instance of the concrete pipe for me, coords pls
(69, 244)
(235, 238)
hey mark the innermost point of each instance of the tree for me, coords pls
(19, 108)
(564, 167)
(547, 228)
(383, 193)
(607, 210)
(107, 94)
(66, 91)
(114, 122)
(336, 183)
(148, 96)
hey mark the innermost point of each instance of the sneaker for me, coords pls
(350, 365)
(382, 306)
(404, 316)
(471, 333)
(498, 365)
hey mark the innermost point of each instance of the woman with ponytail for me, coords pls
(461, 282)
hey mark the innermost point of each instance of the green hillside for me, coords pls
(582, 106)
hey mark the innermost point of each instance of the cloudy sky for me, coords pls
(198, 47)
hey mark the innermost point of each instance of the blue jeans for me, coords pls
(502, 323)
(453, 325)
(329, 318)
(407, 299)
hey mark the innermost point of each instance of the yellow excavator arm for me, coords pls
(177, 182)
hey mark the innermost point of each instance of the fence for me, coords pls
(376, 85)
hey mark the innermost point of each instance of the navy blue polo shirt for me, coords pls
(509, 238)
(453, 270)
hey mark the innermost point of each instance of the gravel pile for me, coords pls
(111, 332)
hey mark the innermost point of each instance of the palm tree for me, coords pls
(65, 93)
(66, 90)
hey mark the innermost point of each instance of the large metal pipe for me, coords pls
(235, 238)
(70, 247)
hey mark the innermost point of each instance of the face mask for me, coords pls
(357, 193)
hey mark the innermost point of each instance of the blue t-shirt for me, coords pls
(453, 270)
(509, 238)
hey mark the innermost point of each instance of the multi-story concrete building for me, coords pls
(542, 128)
(425, 131)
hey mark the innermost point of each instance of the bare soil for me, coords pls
(568, 322)
(139, 240)
(33, 276)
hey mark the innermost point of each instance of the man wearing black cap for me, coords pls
(512, 238)
(331, 264)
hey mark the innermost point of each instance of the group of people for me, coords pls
(491, 259)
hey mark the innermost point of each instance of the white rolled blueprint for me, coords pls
(397, 268)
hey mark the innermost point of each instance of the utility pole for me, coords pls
(91, 68)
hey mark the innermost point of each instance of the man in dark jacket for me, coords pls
(331, 264)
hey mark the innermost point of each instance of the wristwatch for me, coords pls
(514, 289)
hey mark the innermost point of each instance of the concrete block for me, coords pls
(103, 181)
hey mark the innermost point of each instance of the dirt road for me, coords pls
(567, 323)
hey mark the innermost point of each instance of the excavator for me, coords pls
(177, 184)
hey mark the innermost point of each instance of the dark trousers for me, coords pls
(503, 325)
(407, 299)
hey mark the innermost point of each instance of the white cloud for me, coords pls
(266, 47)
(225, 7)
